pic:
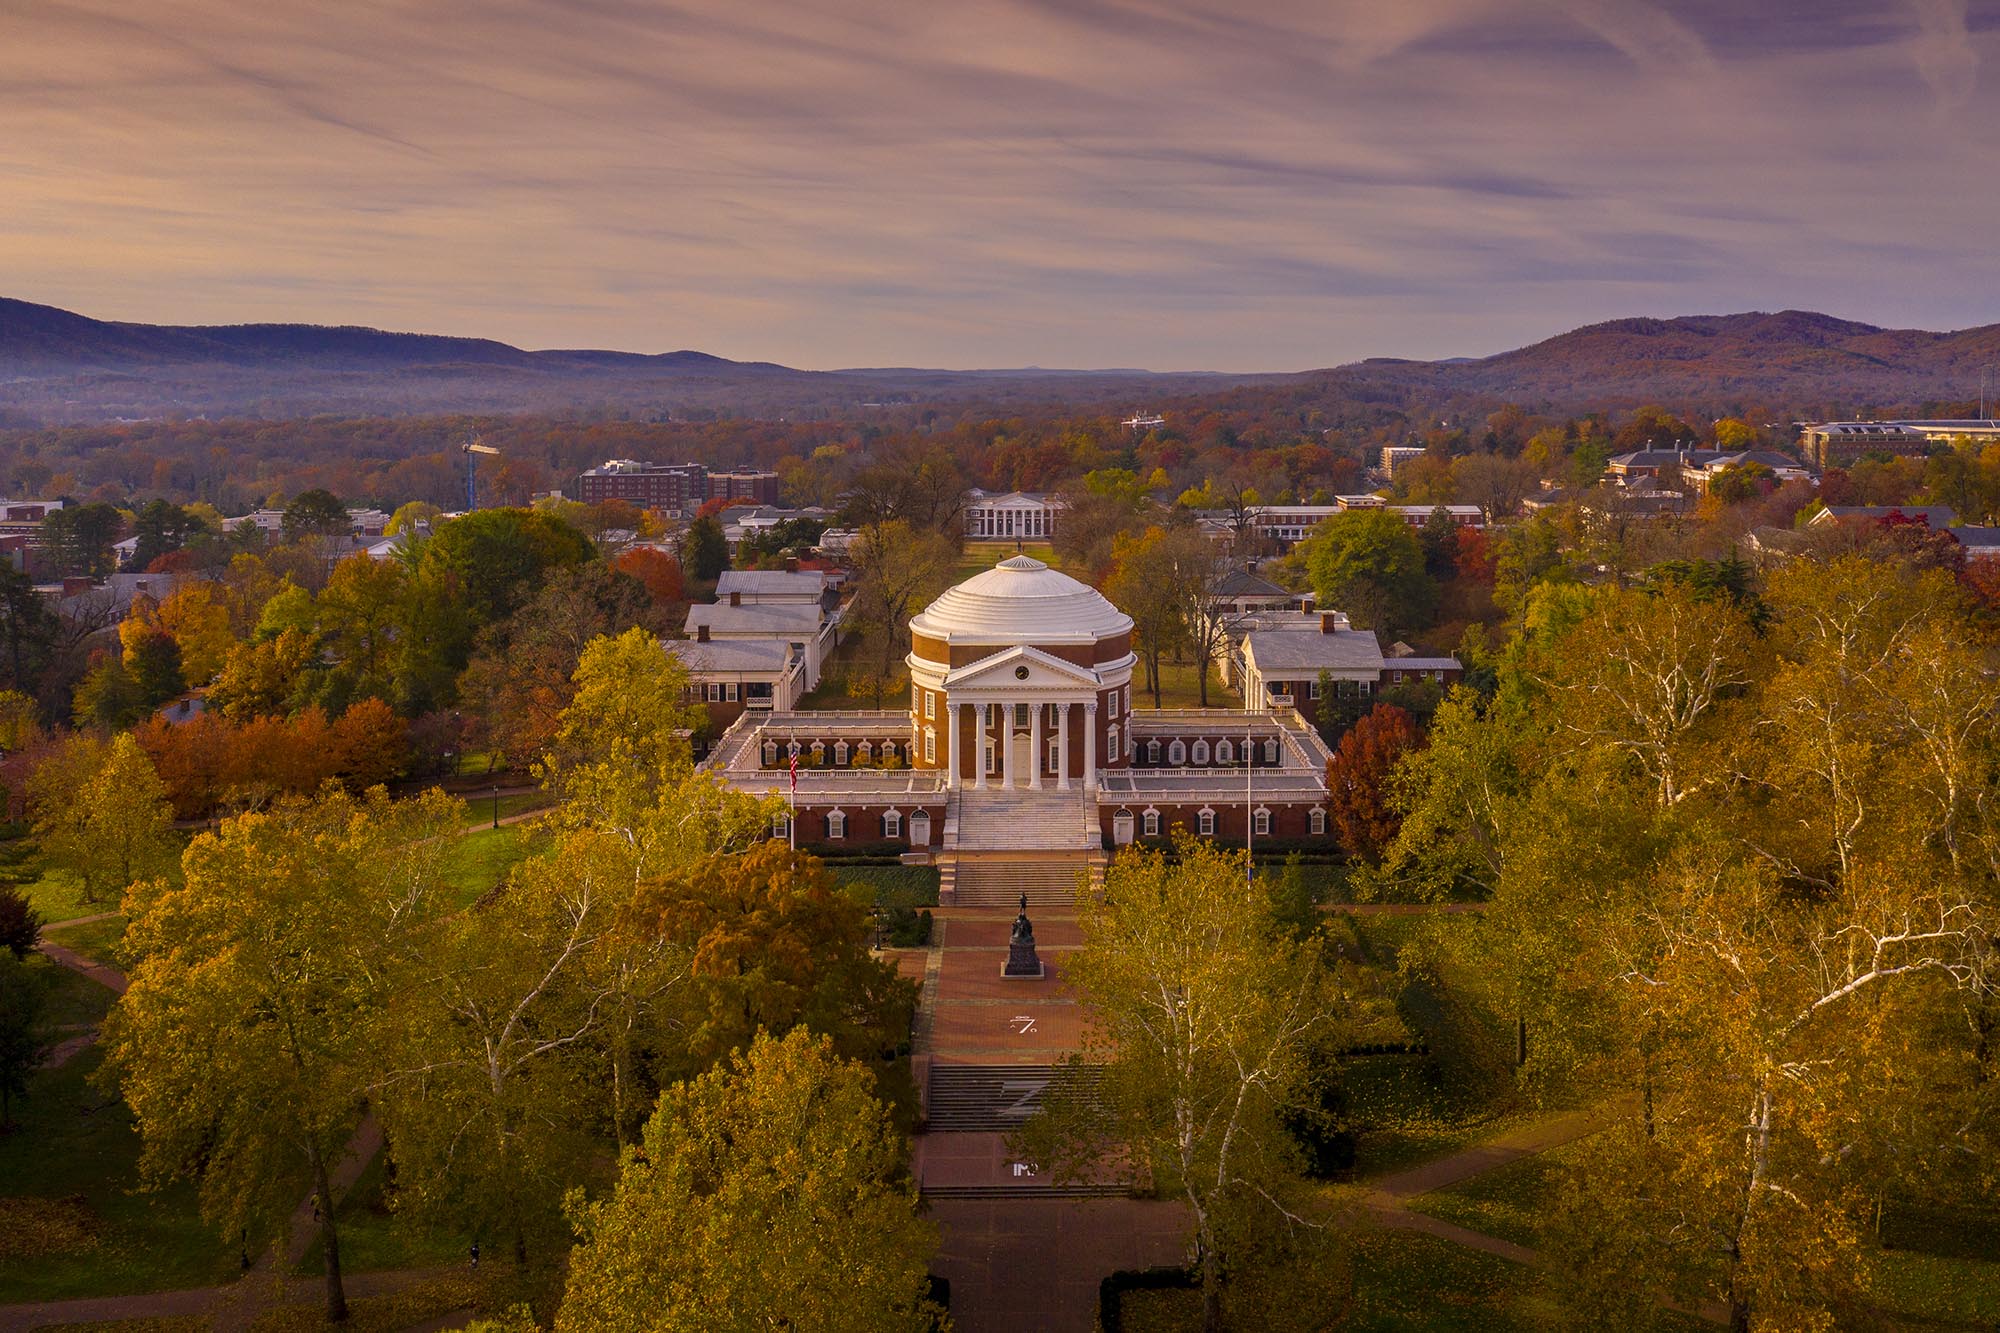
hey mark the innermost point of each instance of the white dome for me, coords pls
(1020, 601)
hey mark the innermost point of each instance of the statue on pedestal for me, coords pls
(1022, 962)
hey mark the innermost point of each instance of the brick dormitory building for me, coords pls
(1019, 762)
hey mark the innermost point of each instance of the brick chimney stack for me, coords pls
(701, 634)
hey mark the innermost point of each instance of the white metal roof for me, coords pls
(1021, 600)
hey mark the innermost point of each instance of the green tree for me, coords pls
(770, 1193)
(315, 513)
(1370, 564)
(78, 539)
(1203, 1008)
(23, 1038)
(704, 550)
(160, 527)
(267, 957)
(108, 698)
(897, 569)
(495, 557)
(101, 814)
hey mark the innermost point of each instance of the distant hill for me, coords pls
(57, 367)
(1790, 356)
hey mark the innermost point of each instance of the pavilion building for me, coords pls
(1020, 762)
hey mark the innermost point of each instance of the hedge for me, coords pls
(1111, 1291)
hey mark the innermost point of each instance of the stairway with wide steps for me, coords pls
(991, 1099)
(1014, 819)
(999, 881)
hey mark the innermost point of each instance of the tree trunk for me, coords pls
(1211, 1291)
(329, 1239)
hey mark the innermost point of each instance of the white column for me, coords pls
(1090, 746)
(1062, 748)
(1004, 738)
(1036, 749)
(951, 742)
(979, 747)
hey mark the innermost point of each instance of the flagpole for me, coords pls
(792, 823)
(1249, 802)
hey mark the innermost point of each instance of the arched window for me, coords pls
(1263, 822)
(1316, 821)
(770, 754)
(819, 752)
(1225, 753)
(1152, 752)
(864, 751)
(836, 825)
(1177, 754)
(892, 824)
(840, 752)
(781, 827)
(1206, 827)
(1201, 752)
(1271, 750)
(1151, 823)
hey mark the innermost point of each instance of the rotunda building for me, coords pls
(1021, 678)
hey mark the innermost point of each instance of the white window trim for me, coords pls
(1205, 822)
(840, 752)
(1225, 752)
(1177, 753)
(1150, 822)
(1316, 821)
(1261, 821)
(1153, 751)
(730, 692)
(930, 705)
(892, 823)
(1199, 755)
(925, 817)
(930, 746)
(836, 824)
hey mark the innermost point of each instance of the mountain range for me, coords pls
(60, 367)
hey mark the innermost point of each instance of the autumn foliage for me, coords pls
(211, 762)
(1357, 787)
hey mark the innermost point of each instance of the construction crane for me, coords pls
(472, 449)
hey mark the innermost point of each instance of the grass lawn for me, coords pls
(1405, 1284)
(1508, 1202)
(481, 859)
(55, 897)
(1180, 689)
(374, 1237)
(479, 807)
(95, 940)
(890, 886)
(71, 1220)
(72, 999)
(978, 557)
(413, 1305)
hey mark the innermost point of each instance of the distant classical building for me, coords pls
(1781, 466)
(1838, 443)
(1014, 516)
(1019, 759)
(1287, 524)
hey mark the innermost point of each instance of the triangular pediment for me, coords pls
(1004, 670)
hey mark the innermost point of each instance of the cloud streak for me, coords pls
(1209, 183)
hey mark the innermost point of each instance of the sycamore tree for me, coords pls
(768, 1193)
(1741, 879)
(245, 1043)
(1203, 1012)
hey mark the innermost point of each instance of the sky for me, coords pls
(1174, 184)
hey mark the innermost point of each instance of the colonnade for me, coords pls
(1004, 733)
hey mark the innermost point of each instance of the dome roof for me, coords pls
(1020, 600)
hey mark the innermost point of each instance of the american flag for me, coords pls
(795, 777)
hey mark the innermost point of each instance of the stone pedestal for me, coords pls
(1022, 962)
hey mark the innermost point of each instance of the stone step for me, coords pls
(1000, 881)
(992, 1098)
(1078, 1191)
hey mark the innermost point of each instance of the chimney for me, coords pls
(75, 585)
(701, 634)
(1329, 622)
(735, 597)
(791, 564)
